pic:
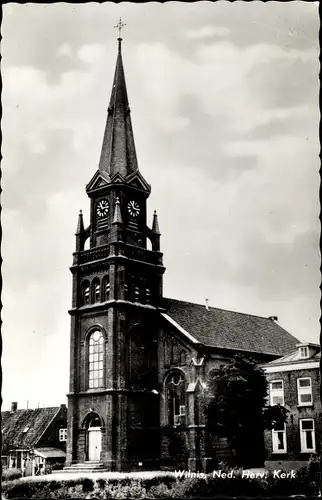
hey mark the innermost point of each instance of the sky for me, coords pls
(224, 106)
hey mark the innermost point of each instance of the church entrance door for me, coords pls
(94, 440)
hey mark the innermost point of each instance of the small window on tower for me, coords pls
(86, 293)
(106, 288)
(96, 290)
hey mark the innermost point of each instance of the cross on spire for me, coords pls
(120, 26)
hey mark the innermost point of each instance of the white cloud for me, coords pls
(207, 32)
(91, 53)
(65, 50)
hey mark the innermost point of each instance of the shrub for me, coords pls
(11, 474)
(48, 469)
(16, 489)
(159, 491)
(87, 484)
(305, 483)
(58, 465)
(101, 483)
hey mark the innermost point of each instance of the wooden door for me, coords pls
(94, 443)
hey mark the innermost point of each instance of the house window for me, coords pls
(276, 393)
(95, 360)
(62, 434)
(304, 352)
(175, 399)
(96, 291)
(304, 391)
(279, 439)
(307, 435)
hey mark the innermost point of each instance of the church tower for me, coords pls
(113, 400)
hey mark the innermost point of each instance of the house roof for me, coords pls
(295, 357)
(48, 452)
(229, 329)
(24, 428)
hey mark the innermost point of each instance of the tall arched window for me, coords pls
(96, 290)
(175, 399)
(86, 296)
(96, 360)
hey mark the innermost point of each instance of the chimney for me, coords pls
(273, 318)
(14, 406)
(207, 304)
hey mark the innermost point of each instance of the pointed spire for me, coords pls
(155, 223)
(80, 223)
(118, 148)
(117, 213)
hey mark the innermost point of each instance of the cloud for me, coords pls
(205, 32)
(91, 53)
(65, 50)
(226, 133)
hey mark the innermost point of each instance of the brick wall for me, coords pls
(296, 413)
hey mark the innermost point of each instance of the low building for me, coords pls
(294, 382)
(33, 438)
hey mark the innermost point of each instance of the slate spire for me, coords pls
(118, 149)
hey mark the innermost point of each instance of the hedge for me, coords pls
(11, 474)
(306, 482)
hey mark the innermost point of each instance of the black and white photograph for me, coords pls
(160, 250)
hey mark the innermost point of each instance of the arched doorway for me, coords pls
(94, 439)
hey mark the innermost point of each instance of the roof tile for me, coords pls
(231, 330)
(15, 422)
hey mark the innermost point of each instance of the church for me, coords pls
(139, 362)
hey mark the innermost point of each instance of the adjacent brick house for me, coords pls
(33, 438)
(139, 362)
(294, 382)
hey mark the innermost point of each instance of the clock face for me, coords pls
(133, 208)
(102, 208)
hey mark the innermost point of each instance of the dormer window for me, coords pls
(304, 352)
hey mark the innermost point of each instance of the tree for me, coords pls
(237, 408)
